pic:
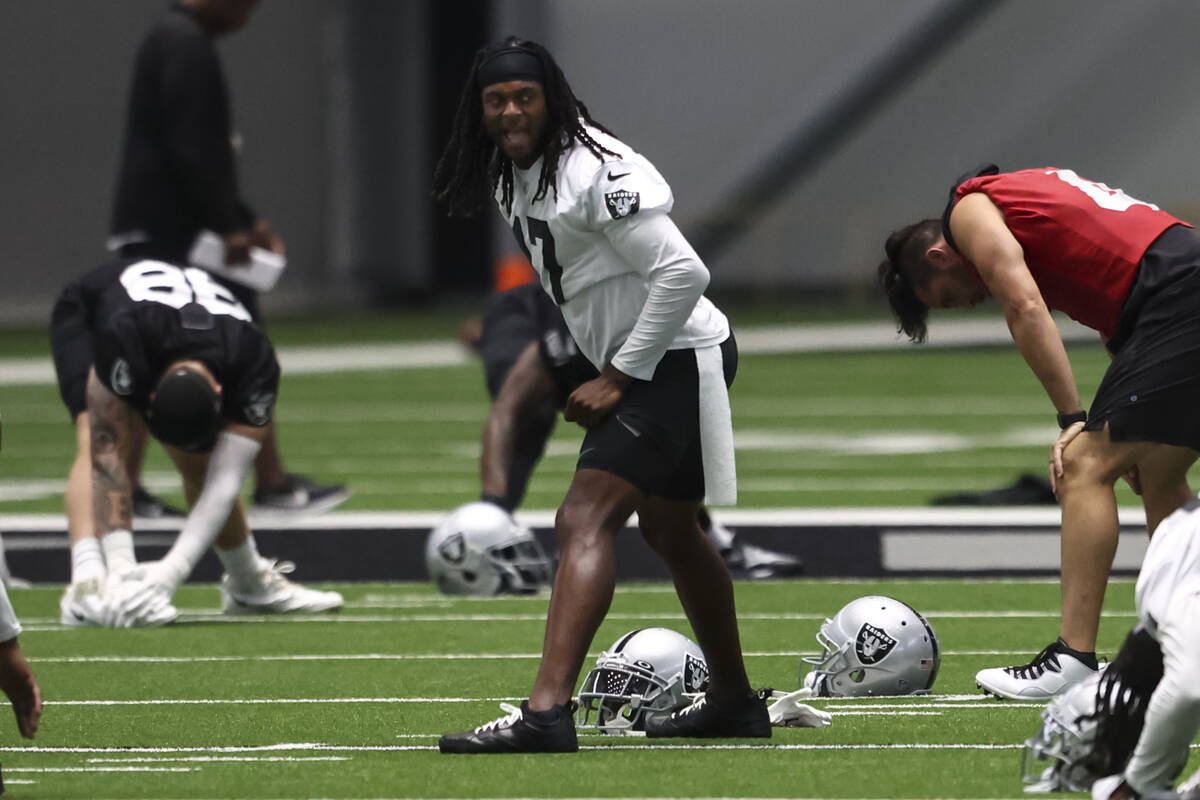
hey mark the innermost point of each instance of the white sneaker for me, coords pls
(137, 599)
(1052, 672)
(271, 593)
(82, 604)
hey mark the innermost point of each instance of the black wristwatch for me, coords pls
(1067, 420)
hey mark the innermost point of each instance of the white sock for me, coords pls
(87, 560)
(118, 551)
(243, 562)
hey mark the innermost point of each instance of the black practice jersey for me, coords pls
(146, 315)
(523, 314)
(178, 173)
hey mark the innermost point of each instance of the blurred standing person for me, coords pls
(178, 177)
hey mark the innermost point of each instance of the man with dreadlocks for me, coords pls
(1043, 239)
(592, 215)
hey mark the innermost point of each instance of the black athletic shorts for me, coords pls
(652, 437)
(71, 346)
(1151, 391)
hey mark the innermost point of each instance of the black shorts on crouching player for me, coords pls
(652, 437)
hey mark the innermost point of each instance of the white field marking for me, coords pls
(306, 657)
(886, 443)
(185, 759)
(102, 769)
(418, 523)
(42, 625)
(918, 703)
(282, 701)
(377, 356)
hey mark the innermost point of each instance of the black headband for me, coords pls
(513, 63)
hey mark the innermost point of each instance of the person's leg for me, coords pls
(1092, 463)
(704, 587)
(1163, 475)
(595, 508)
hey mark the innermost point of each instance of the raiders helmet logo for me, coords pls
(622, 203)
(872, 644)
(453, 549)
(121, 377)
(258, 410)
(695, 674)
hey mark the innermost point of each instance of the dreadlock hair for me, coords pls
(905, 269)
(472, 166)
(1121, 700)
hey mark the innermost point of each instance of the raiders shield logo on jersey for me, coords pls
(258, 410)
(121, 377)
(453, 549)
(872, 644)
(695, 674)
(622, 203)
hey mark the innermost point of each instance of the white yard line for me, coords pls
(306, 657)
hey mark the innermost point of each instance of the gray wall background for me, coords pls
(704, 88)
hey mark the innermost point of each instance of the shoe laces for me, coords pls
(696, 706)
(273, 572)
(512, 716)
(1045, 661)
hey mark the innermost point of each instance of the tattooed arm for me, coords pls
(112, 492)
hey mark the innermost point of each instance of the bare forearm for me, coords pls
(1040, 343)
(111, 487)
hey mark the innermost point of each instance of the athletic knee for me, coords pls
(1083, 468)
(576, 525)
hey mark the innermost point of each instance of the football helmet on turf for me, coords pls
(874, 646)
(481, 550)
(647, 669)
(1058, 757)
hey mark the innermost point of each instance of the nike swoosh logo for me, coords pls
(612, 177)
(628, 427)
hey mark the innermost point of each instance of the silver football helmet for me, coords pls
(481, 550)
(874, 646)
(650, 669)
(1056, 757)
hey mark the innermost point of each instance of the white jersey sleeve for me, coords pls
(676, 279)
(10, 626)
(1168, 604)
(621, 190)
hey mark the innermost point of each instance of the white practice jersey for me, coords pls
(629, 285)
(1172, 561)
(9, 625)
(1168, 605)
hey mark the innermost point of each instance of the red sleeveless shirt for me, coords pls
(1082, 240)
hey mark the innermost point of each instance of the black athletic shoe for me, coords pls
(299, 494)
(706, 719)
(1027, 490)
(520, 731)
(150, 507)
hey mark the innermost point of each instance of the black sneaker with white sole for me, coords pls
(519, 731)
(1051, 672)
(706, 718)
(299, 494)
(149, 506)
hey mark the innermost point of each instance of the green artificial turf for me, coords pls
(245, 706)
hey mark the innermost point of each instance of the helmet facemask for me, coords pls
(652, 669)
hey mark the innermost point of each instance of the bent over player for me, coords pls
(592, 216)
(1047, 239)
(1168, 605)
(172, 345)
